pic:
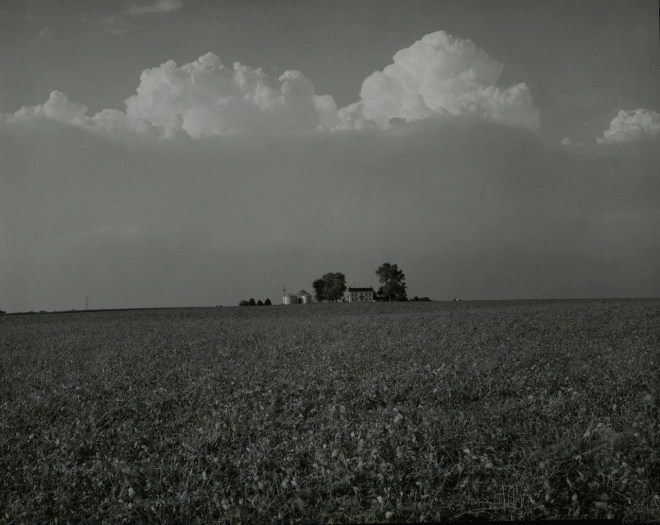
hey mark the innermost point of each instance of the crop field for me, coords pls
(333, 413)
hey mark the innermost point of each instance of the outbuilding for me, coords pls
(304, 297)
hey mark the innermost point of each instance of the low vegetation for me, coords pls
(245, 302)
(347, 413)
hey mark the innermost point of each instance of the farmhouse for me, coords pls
(357, 295)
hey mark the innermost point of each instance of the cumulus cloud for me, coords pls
(57, 107)
(159, 6)
(632, 126)
(440, 75)
(205, 98)
(112, 119)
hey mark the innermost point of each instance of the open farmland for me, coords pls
(344, 413)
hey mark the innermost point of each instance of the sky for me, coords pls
(195, 153)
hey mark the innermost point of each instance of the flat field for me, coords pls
(342, 412)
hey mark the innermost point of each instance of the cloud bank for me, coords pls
(439, 75)
(200, 99)
(631, 126)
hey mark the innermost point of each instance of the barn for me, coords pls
(304, 297)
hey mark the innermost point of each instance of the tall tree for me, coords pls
(335, 285)
(393, 282)
(330, 287)
(319, 290)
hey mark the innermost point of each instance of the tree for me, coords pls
(330, 287)
(251, 302)
(393, 282)
(267, 302)
(260, 302)
(335, 285)
(319, 290)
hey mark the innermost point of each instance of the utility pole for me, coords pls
(86, 303)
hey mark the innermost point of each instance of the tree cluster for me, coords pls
(252, 303)
(393, 283)
(330, 287)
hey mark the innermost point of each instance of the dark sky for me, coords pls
(216, 182)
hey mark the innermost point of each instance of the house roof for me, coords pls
(370, 289)
(303, 292)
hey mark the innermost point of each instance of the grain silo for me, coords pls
(290, 298)
(304, 297)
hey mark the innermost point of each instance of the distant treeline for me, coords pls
(251, 302)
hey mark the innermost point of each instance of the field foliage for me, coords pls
(333, 413)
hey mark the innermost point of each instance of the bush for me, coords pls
(267, 302)
(243, 303)
(251, 302)
(260, 303)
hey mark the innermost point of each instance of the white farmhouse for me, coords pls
(360, 295)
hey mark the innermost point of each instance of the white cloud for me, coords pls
(631, 126)
(566, 141)
(159, 6)
(205, 98)
(352, 117)
(112, 119)
(57, 107)
(440, 75)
